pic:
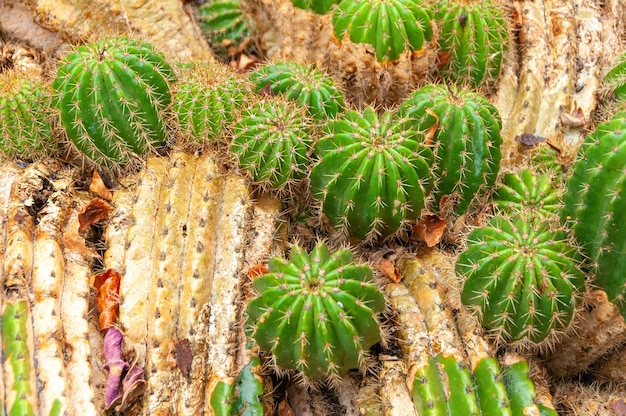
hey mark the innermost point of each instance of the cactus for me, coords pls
(112, 96)
(465, 131)
(316, 313)
(522, 277)
(24, 109)
(595, 203)
(223, 24)
(372, 174)
(206, 101)
(390, 26)
(473, 39)
(527, 191)
(271, 141)
(318, 6)
(616, 78)
(306, 85)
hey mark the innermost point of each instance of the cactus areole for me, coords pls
(316, 313)
(112, 95)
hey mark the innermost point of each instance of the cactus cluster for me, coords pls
(223, 23)
(112, 96)
(316, 313)
(372, 174)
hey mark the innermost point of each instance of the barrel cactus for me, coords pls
(306, 85)
(616, 79)
(372, 174)
(473, 39)
(224, 24)
(595, 205)
(390, 26)
(528, 191)
(316, 313)
(271, 141)
(464, 129)
(112, 95)
(24, 113)
(523, 278)
(318, 6)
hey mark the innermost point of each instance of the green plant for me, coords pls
(372, 174)
(390, 26)
(595, 205)
(318, 6)
(316, 313)
(223, 23)
(306, 85)
(473, 39)
(206, 102)
(271, 141)
(530, 192)
(112, 95)
(464, 129)
(522, 277)
(616, 78)
(24, 113)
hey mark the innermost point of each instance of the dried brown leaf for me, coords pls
(257, 270)
(107, 286)
(96, 210)
(430, 229)
(183, 354)
(388, 268)
(284, 409)
(98, 187)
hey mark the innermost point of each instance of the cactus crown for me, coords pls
(316, 313)
(112, 95)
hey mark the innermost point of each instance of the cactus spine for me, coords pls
(112, 96)
(316, 313)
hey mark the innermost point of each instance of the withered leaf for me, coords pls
(284, 409)
(183, 355)
(388, 268)
(96, 210)
(107, 285)
(529, 139)
(443, 59)
(98, 187)
(257, 270)
(430, 229)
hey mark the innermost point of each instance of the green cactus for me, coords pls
(306, 85)
(316, 313)
(112, 95)
(372, 174)
(224, 24)
(595, 204)
(473, 39)
(24, 113)
(241, 397)
(390, 26)
(616, 79)
(464, 129)
(530, 192)
(272, 142)
(207, 99)
(522, 277)
(318, 6)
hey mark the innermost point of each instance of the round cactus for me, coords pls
(465, 131)
(372, 174)
(272, 141)
(206, 101)
(306, 85)
(24, 109)
(390, 26)
(223, 24)
(473, 39)
(526, 191)
(316, 313)
(318, 6)
(112, 95)
(616, 78)
(522, 276)
(595, 204)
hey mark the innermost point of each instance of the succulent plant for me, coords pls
(616, 78)
(530, 192)
(473, 39)
(316, 313)
(112, 95)
(24, 110)
(206, 101)
(390, 26)
(306, 85)
(318, 6)
(595, 204)
(272, 141)
(522, 277)
(372, 174)
(464, 129)
(223, 24)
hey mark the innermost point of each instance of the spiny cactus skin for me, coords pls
(223, 24)
(243, 397)
(316, 313)
(372, 174)
(595, 203)
(474, 37)
(521, 389)
(390, 26)
(272, 141)
(466, 140)
(530, 192)
(112, 95)
(206, 101)
(522, 277)
(616, 79)
(24, 110)
(306, 85)
(318, 6)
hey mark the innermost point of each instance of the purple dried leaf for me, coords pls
(133, 386)
(115, 365)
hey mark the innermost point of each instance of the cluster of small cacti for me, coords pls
(316, 313)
